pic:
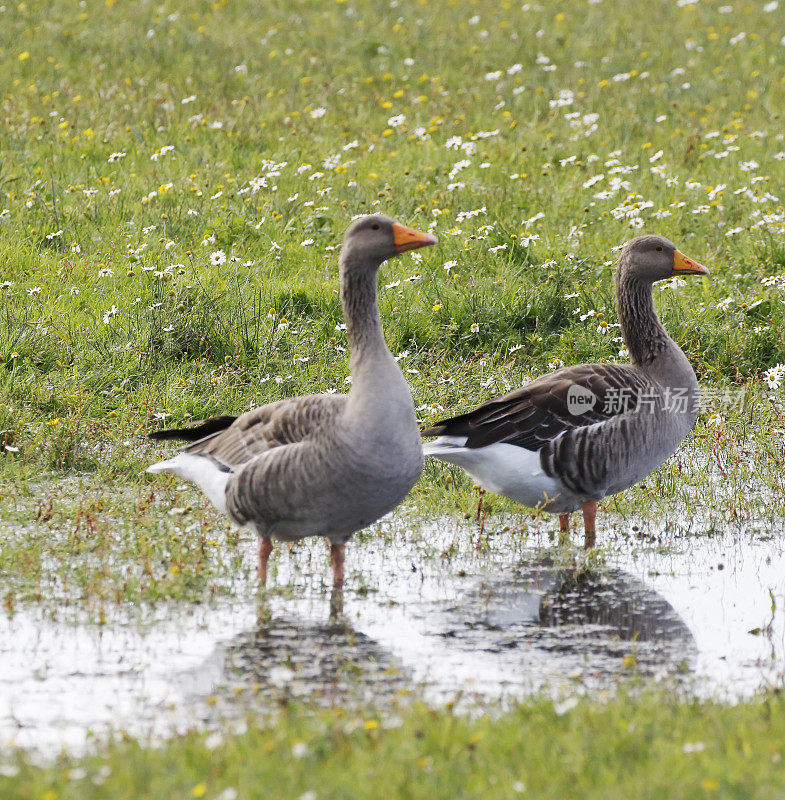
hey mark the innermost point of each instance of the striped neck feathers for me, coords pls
(360, 307)
(643, 333)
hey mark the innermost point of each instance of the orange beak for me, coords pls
(410, 239)
(686, 266)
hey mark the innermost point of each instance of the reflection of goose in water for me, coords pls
(615, 600)
(285, 657)
(561, 622)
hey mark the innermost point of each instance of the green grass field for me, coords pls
(175, 179)
(649, 748)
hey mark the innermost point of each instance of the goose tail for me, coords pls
(211, 477)
(444, 446)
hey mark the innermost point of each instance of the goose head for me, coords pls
(655, 258)
(373, 239)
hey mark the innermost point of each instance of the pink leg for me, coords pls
(589, 513)
(265, 548)
(564, 529)
(337, 556)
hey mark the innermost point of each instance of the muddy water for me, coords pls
(426, 614)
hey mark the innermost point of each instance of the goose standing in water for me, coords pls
(568, 439)
(319, 465)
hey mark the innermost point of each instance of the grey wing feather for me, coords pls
(540, 411)
(273, 425)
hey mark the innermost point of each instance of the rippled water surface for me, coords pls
(426, 614)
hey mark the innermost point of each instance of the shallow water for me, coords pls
(426, 615)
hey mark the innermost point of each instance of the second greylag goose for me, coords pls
(568, 439)
(319, 465)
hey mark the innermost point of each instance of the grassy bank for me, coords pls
(648, 747)
(174, 183)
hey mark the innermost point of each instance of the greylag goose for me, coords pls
(319, 465)
(569, 438)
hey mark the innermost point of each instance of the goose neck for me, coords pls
(645, 337)
(361, 310)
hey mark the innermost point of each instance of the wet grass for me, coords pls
(95, 538)
(645, 747)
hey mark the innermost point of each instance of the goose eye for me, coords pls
(658, 247)
(375, 226)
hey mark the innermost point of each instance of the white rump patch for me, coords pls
(504, 469)
(202, 471)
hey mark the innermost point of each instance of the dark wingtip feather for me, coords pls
(195, 432)
(436, 430)
(173, 433)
